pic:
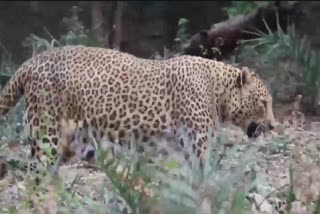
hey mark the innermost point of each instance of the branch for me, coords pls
(226, 35)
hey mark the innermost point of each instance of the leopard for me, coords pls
(121, 97)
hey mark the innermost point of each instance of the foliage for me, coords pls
(7, 68)
(275, 48)
(243, 7)
(184, 188)
(75, 35)
(219, 184)
(291, 196)
(317, 208)
(124, 171)
(52, 194)
(182, 33)
(181, 39)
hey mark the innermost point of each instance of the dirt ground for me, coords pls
(295, 142)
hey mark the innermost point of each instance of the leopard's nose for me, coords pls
(90, 155)
(271, 127)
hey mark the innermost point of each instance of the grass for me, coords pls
(223, 185)
(284, 56)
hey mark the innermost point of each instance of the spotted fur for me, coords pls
(119, 96)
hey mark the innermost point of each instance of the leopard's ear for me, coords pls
(245, 78)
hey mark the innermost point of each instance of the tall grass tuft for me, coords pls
(274, 48)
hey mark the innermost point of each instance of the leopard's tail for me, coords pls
(12, 91)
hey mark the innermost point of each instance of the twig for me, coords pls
(90, 166)
(5, 49)
(267, 196)
(51, 36)
(73, 183)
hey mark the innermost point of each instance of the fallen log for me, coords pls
(222, 38)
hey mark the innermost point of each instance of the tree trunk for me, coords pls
(35, 6)
(117, 44)
(110, 16)
(222, 38)
(98, 23)
(166, 52)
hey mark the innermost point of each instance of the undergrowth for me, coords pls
(243, 7)
(220, 186)
(287, 58)
(12, 124)
(75, 34)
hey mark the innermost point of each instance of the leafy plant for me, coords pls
(243, 7)
(184, 188)
(182, 33)
(7, 66)
(39, 44)
(76, 34)
(129, 173)
(317, 207)
(274, 48)
(291, 195)
(218, 185)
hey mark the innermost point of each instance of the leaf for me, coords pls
(172, 164)
(291, 195)
(12, 210)
(238, 203)
(317, 207)
(183, 21)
